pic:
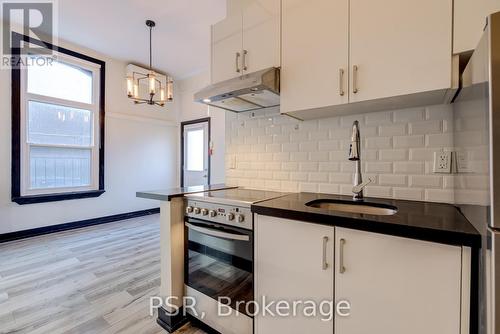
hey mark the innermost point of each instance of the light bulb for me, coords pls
(136, 90)
(152, 83)
(130, 86)
(170, 89)
(162, 94)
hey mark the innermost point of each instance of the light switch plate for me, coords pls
(232, 161)
(442, 162)
(463, 162)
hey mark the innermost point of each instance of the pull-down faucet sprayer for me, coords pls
(355, 155)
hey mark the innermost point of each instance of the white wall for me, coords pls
(279, 153)
(190, 110)
(141, 147)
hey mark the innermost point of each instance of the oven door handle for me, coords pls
(218, 234)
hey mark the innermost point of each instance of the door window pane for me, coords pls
(52, 167)
(61, 81)
(58, 125)
(195, 150)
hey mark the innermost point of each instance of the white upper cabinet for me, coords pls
(398, 285)
(315, 54)
(248, 39)
(227, 39)
(399, 47)
(342, 56)
(261, 35)
(469, 22)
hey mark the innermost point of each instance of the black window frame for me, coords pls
(16, 196)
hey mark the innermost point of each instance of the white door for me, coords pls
(399, 47)
(314, 54)
(196, 159)
(293, 262)
(397, 285)
(261, 35)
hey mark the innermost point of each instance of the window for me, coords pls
(195, 149)
(58, 128)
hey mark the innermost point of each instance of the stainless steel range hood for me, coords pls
(251, 91)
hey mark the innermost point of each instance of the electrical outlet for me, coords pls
(442, 162)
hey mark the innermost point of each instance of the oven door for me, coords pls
(220, 262)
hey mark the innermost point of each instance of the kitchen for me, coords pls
(323, 151)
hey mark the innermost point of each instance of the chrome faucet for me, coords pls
(355, 155)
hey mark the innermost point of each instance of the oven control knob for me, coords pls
(212, 213)
(230, 216)
(204, 212)
(189, 209)
(240, 218)
(197, 211)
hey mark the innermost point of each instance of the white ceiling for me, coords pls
(181, 38)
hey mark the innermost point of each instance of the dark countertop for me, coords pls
(435, 222)
(168, 194)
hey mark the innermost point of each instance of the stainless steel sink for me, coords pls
(345, 206)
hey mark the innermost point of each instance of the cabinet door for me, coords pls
(397, 285)
(469, 22)
(400, 47)
(261, 35)
(314, 50)
(289, 266)
(226, 45)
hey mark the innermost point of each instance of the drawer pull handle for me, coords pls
(355, 79)
(341, 82)
(325, 263)
(238, 55)
(244, 58)
(341, 255)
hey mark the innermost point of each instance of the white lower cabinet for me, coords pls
(397, 285)
(289, 266)
(393, 285)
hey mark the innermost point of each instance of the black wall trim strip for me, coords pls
(74, 225)
(22, 200)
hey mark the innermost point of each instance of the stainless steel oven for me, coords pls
(220, 262)
(219, 255)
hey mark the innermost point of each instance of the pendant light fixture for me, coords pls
(160, 87)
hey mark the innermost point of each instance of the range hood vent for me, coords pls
(251, 91)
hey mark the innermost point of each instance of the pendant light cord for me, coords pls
(150, 48)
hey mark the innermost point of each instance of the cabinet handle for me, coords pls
(355, 79)
(341, 256)
(341, 82)
(325, 263)
(238, 55)
(245, 52)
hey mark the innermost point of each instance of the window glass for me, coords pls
(61, 81)
(52, 167)
(58, 125)
(195, 150)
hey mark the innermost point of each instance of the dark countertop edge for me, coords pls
(168, 194)
(412, 232)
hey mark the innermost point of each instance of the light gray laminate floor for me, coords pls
(92, 280)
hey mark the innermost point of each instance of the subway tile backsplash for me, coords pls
(266, 150)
